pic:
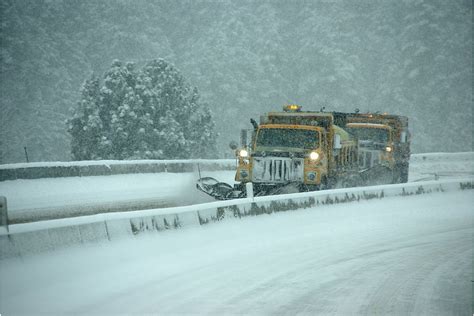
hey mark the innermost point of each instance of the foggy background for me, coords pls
(412, 58)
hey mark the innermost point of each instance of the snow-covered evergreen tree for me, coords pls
(152, 113)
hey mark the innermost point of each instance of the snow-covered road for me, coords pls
(395, 256)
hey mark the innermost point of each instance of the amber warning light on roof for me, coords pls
(292, 108)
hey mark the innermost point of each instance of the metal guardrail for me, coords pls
(108, 167)
(3, 213)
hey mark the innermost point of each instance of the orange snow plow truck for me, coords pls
(384, 144)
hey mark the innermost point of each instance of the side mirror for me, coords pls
(403, 137)
(254, 124)
(337, 141)
(233, 145)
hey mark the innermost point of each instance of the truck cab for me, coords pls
(375, 144)
(384, 140)
(305, 149)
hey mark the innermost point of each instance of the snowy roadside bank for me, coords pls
(24, 239)
(432, 166)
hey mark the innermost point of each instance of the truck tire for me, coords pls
(404, 173)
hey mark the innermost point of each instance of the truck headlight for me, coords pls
(243, 153)
(314, 155)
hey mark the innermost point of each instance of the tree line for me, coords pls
(410, 57)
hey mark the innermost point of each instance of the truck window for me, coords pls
(287, 137)
(376, 135)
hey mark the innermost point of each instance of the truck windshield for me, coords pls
(287, 137)
(376, 135)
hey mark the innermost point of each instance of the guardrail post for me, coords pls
(3, 212)
(249, 189)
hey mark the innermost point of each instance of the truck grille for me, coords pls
(368, 158)
(277, 170)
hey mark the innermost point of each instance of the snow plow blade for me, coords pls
(218, 190)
